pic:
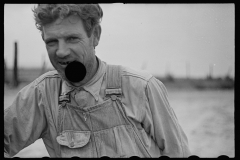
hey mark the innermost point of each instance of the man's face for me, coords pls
(66, 41)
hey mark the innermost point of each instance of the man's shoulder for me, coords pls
(50, 75)
(134, 83)
(136, 74)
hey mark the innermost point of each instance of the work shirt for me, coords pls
(82, 121)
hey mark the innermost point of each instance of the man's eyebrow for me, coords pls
(65, 36)
(49, 39)
(74, 35)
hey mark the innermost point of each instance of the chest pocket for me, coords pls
(74, 139)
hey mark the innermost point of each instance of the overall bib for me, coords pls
(99, 130)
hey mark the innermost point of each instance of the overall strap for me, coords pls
(113, 90)
(113, 80)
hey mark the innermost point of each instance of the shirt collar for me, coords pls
(93, 86)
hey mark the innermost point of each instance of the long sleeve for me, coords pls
(24, 120)
(161, 122)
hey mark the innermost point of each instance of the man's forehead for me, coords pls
(72, 19)
(59, 25)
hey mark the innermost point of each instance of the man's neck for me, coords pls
(94, 71)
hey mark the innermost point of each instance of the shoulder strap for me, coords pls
(114, 88)
(113, 80)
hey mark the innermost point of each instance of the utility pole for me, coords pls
(43, 69)
(15, 69)
(229, 71)
(210, 71)
(187, 70)
(5, 70)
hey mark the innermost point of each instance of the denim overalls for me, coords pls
(99, 130)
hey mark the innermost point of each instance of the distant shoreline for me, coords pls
(199, 84)
(27, 75)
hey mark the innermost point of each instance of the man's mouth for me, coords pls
(75, 71)
(64, 64)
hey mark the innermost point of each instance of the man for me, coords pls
(87, 108)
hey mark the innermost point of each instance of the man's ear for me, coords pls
(96, 35)
(42, 36)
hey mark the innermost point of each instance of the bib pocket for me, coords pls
(74, 139)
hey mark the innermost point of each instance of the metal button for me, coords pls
(85, 116)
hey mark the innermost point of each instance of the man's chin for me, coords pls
(63, 76)
(75, 84)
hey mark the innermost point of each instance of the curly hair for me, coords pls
(91, 14)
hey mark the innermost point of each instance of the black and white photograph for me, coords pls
(119, 80)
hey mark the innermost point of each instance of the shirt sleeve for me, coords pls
(24, 120)
(161, 122)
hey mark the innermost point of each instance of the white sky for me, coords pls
(159, 38)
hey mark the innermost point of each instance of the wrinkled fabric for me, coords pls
(95, 126)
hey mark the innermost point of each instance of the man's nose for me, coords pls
(63, 50)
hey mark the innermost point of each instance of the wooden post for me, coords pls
(43, 65)
(211, 71)
(15, 69)
(187, 70)
(5, 70)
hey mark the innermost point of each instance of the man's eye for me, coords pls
(73, 39)
(51, 43)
